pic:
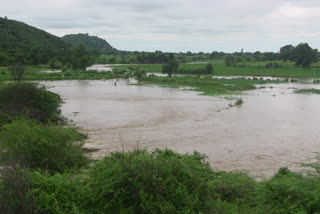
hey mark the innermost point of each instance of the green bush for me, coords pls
(35, 145)
(58, 194)
(15, 191)
(28, 100)
(289, 192)
(157, 182)
(151, 182)
(234, 187)
(239, 102)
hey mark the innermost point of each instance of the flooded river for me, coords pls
(273, 128)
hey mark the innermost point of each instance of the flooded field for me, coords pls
(273, 128)
(51, 71)
(103, 67)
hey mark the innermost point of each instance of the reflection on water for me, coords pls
(273, 128)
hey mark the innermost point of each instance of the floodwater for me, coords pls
(51, 71)
(104, 67)
(273, 128)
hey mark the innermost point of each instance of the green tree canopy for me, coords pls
(302, 54)
(171, 67)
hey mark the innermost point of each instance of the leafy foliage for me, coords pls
(80, 57)
(302, 54)
(158, 182)
(171, 67)
(15, 191)
(17, 71)
(289, 192)
(28, 100)
(38, 146)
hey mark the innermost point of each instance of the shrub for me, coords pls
(289, 192)
(17, 71)
(151, 182)
(58, 193)
(15, 191)
(55, 64)
(239, 102)
(35, 145)
(28, 100)
(232, 187)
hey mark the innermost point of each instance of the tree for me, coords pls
(214, 55)
(209, 68)
(171, 67)
(34, 55)
(80, 59)
(230, 60)
(3, 59)
(286, 52)
(17, 71)
(304, 55)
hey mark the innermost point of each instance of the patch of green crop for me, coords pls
(249, 69)
(206, 86)
(308, 91)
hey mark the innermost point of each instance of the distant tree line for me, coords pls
(31, 46)
(302, 55)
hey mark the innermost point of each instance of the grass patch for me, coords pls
(207, 86)
(308, 91)
(239, 102)
(250, 69)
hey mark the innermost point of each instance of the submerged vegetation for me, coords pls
(207, 86)
(239, 102)
(252, 68)
(308, 91)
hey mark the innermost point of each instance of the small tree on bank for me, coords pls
(230, 60)
(171, 67)
(17, 71)
(209, 68)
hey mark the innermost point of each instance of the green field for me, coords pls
(308, 91)
(69, 75)
(207, 86)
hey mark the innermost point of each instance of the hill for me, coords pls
(19, 41)
(91, 42)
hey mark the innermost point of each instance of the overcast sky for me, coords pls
(177, 25)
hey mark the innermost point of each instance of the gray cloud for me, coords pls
(177, 25)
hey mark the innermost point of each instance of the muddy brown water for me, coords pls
(273, 128)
